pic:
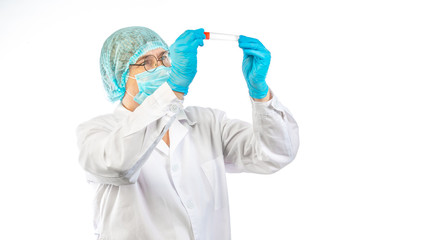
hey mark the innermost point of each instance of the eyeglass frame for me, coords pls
(156, 60)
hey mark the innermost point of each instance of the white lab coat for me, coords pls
(145, 190)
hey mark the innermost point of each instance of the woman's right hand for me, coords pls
(183, 54)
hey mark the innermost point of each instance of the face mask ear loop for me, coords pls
(128, 93)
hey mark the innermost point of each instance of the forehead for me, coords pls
(156, 52)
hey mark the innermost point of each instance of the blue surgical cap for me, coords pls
(121, 49)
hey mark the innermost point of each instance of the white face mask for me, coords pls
(148, 82)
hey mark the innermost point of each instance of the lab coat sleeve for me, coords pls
(112, 150)
(266, 146)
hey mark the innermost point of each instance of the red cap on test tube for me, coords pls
(221, 36)
(207, 35)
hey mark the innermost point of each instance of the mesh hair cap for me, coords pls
(120, 50)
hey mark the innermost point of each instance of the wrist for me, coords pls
(179, 95)
(265, 99)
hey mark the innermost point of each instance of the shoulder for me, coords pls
(104, 122)
(204, 114)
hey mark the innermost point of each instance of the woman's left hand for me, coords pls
(256, 62)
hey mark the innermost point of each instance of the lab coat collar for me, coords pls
(177, 133)
(121, 111)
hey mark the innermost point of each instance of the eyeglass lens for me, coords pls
(151, 62)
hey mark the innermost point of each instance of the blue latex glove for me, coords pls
(183, 54)
(256, 61)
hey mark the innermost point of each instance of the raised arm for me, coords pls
(112, 150)
(266, 146)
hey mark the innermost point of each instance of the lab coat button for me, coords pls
(174, 108)
(189, 204)
(175, 167)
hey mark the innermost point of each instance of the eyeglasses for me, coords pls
(150, 62)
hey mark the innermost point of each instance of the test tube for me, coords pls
(221, 36)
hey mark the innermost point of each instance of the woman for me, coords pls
(158, 169)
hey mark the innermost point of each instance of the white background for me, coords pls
(347, 70)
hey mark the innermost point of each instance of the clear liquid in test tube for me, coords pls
(221, 36)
